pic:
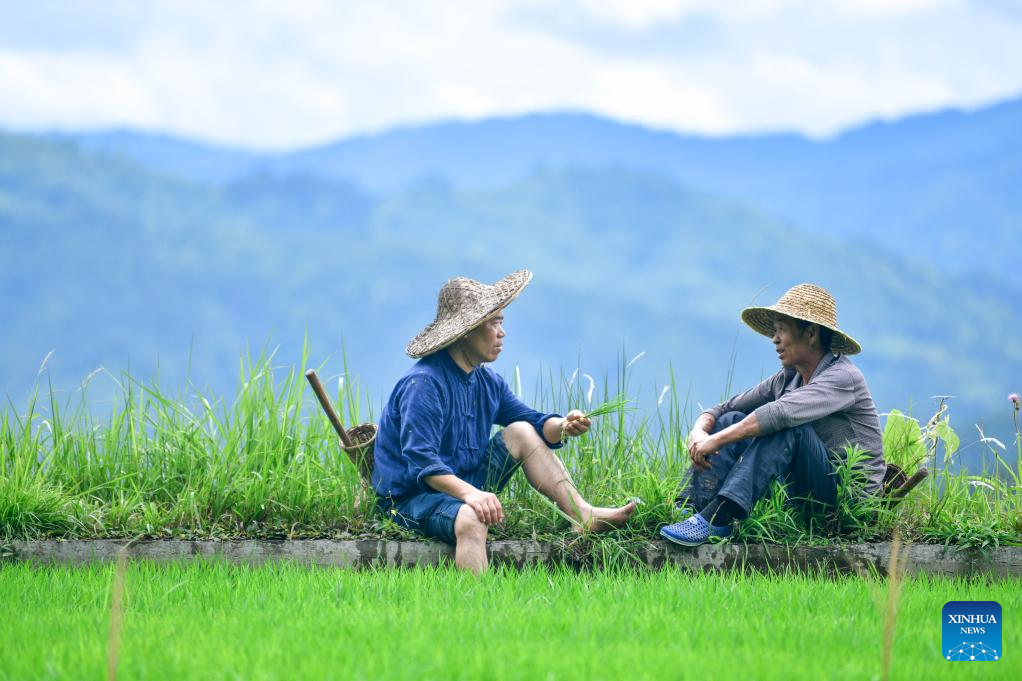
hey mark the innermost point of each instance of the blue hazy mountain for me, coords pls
(941, 187)
(175, 156)
(112, 262)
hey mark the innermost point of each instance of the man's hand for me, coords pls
(703, 448)
(575, 423)
(697, 436)
(702, 445)
(486, 505)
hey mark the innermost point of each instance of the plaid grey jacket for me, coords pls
(836, 403)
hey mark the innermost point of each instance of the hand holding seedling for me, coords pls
(575, 423)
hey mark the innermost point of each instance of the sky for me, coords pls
(280, 75)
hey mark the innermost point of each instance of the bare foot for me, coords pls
(603, 519)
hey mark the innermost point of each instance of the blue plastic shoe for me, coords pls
(693, 531)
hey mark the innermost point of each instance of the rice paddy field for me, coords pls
(217, 621)
(265, 463)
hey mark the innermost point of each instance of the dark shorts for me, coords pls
(432, 513)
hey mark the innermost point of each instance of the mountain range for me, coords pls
(128, 248)
(924, 185)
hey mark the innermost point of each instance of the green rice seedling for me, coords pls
(615, 405)
(294, 621)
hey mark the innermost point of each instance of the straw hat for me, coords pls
(806, 302)
(463, 305)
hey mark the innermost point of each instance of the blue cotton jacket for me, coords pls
(438, 421)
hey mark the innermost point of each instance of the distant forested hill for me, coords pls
(940, 187)
(111, 257)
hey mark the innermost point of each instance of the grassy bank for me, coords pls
(224, 622)
(265, 463)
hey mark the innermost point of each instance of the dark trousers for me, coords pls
(742, 471)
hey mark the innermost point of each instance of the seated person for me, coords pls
(437, 470)
(795, 425)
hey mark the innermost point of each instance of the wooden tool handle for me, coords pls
(916, 478)
(324, 402)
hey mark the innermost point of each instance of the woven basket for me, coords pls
(364, 437)
(894, 478)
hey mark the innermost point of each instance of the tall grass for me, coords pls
(266, 463)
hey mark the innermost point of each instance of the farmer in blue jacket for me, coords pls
(795, 426)
(437, 470)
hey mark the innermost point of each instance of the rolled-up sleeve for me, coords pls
(829, 394)
(750, 400)
(512, 409)
(422, 429)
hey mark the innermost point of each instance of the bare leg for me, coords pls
(547, 474)
(470, 547)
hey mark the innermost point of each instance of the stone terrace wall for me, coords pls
(1004, 562)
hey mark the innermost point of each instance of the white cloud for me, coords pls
(269, 74)
(835, 96)
(880, 8)
(93, 89)
(637, 15)
(659, 95)
(640, 14)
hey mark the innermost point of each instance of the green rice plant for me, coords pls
(615, 405)
(294, 621)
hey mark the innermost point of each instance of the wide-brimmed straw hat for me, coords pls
(463, 305)
(806, 302)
